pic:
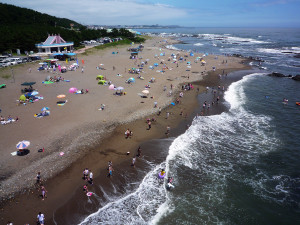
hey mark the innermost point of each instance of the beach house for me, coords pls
(54, 44)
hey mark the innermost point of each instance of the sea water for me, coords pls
(238, 167)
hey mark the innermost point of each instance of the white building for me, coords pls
(54, 44)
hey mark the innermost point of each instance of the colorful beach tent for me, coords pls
(100, 77)
(102, 82)
(73, 90)
(22, 98)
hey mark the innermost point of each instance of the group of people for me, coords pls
(8, 120)
(40, 186)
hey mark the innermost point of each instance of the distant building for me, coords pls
(54, 44)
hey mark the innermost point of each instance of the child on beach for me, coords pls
(40, 218)
(110, 170)
(85, 173)
(85, 189)
(43, 192)
(159, 111)
(168, 130)
(91, 177)
(139, 152)
(133, 161)
(38, 178)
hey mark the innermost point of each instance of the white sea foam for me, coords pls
(284, 50)
(206, 148)
(198, 44)
(138, 207)
(231, 39)
(172, 47)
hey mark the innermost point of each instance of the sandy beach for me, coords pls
(87, 136)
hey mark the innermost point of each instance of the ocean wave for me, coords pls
(139, 207)
(198, 44)
(172, 47)
(231, 39)
(283, 50)
(211, 151)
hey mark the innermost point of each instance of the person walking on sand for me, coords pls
(85, 189)
(40, 218)
(168, 131)
(133, 161)
(38, 178)
(139, 152)
(127, 133)
(159, 111)
(43, 189)
(82, 70)
(110, 170)
(85, 173)
(149, 125)
(91, 177)
(167, 115)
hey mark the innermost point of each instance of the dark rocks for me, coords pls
(275, 74)
(297, 55)
(296, 78)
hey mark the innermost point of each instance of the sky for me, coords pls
(190, 13)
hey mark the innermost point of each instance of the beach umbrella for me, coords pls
(120, 88)
(61, 96)
(73, 90)
(45, 109)
(28, 83)
(131, 79)
(111, 87)
(145, 92)
(155, 64)
(23, 144)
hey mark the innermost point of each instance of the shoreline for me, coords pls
(106, 153)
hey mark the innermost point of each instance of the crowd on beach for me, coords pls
(168, 90)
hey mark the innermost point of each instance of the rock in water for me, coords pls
(296, 78)
(275, 74)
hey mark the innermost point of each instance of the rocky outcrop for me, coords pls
(275, 74)
(296, 78)
(297, 55)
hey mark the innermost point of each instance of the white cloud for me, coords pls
(106, 12)
(272, 3)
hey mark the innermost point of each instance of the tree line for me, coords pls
(22, 28)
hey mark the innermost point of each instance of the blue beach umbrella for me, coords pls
(23, 144)
(131, 79)
(45, 109)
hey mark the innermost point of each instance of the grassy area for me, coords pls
(5, 76)
(112, 44)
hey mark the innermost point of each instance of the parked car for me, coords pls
(33, 58)
(4, 63)
(26, 59)
(14, 61)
